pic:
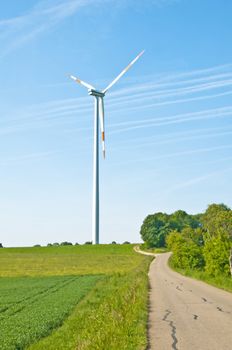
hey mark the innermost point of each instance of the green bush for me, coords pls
(186, 253)
(216, 254)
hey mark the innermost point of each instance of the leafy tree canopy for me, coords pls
(217, 220)
(157, 226)
(207, 247)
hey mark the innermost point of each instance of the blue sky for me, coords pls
(168, 120)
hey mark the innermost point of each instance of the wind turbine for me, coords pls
(99, 114)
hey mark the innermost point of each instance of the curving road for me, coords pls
(186, 314)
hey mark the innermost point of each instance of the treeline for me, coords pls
(202, 241)
(56, 244)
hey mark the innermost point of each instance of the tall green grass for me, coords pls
(221, 281)
(153, 250)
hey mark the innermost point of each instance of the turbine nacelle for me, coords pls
(93, 92)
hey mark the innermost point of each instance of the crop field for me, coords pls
(74, 297)
(31, 307)
(67, 260)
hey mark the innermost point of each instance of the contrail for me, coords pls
(179, 118)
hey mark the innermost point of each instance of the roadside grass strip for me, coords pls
(31, 307)
(222, 282)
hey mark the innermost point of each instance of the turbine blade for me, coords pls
(123, 72)
(77, 80)
(102, 124)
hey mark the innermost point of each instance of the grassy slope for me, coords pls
(219, 281)
(113, 315)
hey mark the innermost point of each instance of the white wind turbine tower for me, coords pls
(99, 114)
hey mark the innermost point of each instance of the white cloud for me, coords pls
(140, 96)
(179, 154)
(175, 119)
(17, 31)
(26, 157)
(196, 180)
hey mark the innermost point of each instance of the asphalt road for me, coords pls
(186, 314)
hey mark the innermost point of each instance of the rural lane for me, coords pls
(186, 314)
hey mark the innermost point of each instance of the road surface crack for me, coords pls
(173, 329)
(221, 310)
(206, 301)
(178, 288)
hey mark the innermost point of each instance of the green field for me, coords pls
(31, 307)
(67, 260)
(73, 297)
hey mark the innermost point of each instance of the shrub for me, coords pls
(186, 253)
(216, 254)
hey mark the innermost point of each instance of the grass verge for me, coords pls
(221, 282)
(153, 250)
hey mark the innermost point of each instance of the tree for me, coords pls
(217, 217)
(197, 241)
(1, 246)
(180, 219)
(156, 227)
(230, 261)
(187, 254)
(217, 226)
(195, 235)
(216, 254)
(66, 243)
